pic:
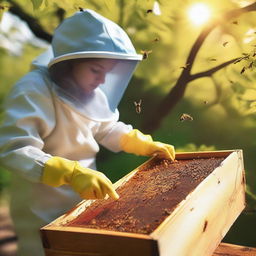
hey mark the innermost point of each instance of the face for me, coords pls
(89, 74)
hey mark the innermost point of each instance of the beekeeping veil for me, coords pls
(90, 35)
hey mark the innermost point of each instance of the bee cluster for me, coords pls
(149, 197)
(198, 172)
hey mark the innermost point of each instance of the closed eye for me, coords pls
(95, 71)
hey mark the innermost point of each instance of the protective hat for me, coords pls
(88, 35)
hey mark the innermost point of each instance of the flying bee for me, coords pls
(235, 22)
(243, 69)
(225, 43)
(2, 7)
(156, 40)
(186, 117)
(138, 106)
(250, 65)
(145, 53)
(149, 11)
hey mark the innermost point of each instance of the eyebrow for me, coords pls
(99, 65)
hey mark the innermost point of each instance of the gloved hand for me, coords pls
(140, 144)
(89, 184)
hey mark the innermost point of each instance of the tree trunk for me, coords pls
(165, 106)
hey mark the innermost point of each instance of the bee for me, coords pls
(213, 59)
(2, 7)
(185, 66)
(235, 22)
(138, 106)
(206, 102)
(156, 40)
(149, 11)
(145, 54)
(243, 70)
(225, 43)
(186, 117)
(80, 9)
(250, 65)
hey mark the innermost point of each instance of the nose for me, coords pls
(101, 78)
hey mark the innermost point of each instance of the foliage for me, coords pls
(4, 179)
(222, 105)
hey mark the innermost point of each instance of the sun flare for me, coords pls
(199, 13)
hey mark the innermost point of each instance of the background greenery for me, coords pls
(222, 105)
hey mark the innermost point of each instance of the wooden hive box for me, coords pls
(183, 208)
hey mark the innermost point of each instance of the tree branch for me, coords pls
(33, 23)
(178, 90)
(198, 43)
(211, 71)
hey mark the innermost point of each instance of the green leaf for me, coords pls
(37, 3)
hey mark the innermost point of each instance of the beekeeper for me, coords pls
(57, 115)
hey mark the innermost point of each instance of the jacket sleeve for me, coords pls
(29, 118)
(110, 133)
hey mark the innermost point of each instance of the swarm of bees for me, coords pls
(138, 106)
(186, 117)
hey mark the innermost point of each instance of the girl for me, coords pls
(57, 115)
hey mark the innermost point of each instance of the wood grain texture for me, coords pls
(234, 250)
(200, 222)
(195, 228)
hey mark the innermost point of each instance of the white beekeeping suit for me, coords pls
(44, 119)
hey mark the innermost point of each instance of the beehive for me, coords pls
(183, 208)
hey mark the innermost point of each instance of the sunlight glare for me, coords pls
(199, 13)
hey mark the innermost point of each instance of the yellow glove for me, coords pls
(89, 184)
(140, 144)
